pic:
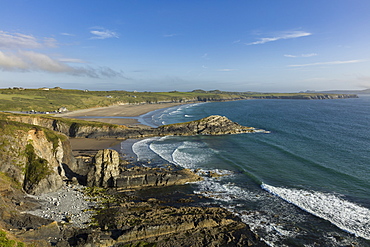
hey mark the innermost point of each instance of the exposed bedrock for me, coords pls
(106, 171)
(34, 157)
(212, 125)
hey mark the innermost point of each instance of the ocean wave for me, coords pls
(346, 215)
(187, 154)
(142, 151)
(227, 192)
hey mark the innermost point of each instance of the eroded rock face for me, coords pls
(53, 156)
(34, 157)
(105, 169)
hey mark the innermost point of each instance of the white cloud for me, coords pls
(327, 63)
(18, 40)
(32, 61)
(71, 60)
(103, 34)
(11, 62)
(67, 34)
(283, 35)
(23, 41)
(50, 42)
(18, 56)
(302, 55)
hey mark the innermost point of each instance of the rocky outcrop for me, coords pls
(105, 169)
(154, 221)
(34, 157)
(212, 125)
(140, 177)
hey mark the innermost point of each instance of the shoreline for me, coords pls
(121, 115)
(127, 115)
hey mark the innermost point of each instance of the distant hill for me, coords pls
(365, 91)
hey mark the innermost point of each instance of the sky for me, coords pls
(166, 45)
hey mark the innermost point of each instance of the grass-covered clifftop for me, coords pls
(54, 99)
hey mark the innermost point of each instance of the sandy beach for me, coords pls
(117, 111)
(87, 145)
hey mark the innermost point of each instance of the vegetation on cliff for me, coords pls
(54, 99)
(6, 242)
(36, 168)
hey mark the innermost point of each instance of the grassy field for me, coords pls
(53, 99)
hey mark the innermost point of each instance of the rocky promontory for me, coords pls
(212, 125)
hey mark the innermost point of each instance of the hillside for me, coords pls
(51, 100)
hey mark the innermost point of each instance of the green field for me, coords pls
(53, 99)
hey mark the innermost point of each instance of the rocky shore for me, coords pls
(97, 199)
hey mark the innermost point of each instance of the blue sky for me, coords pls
(153, 45)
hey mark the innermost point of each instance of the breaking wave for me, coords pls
(346, 215)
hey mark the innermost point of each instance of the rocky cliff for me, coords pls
(212, 125)
(33, 156)
(69, 127)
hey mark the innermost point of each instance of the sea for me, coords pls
(305, 183)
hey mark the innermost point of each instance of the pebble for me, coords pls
(67, 201)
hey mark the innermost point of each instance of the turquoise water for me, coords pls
(307, 183)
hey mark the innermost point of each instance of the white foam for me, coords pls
(164, 150)
(346, 215)
(227, 192)
(186, 154)
(142, 150)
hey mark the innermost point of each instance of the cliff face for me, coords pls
(71, 128)
(34, 157)
(212, 125)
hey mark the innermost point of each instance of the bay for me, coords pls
(305, 183)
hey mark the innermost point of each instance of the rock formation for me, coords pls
(34, 157)
(105, 169)
(140, 177)
(212, 125)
